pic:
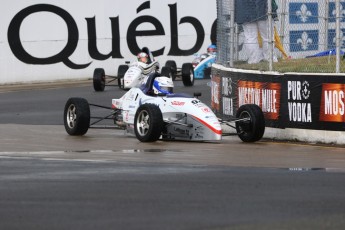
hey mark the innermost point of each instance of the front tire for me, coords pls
(187, 74)
(253, 128)
(148, 123)
(98, 79)
(77, 116)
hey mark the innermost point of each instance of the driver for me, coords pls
(143, 57)
(212, 49)
(163, 85)
(145, 64)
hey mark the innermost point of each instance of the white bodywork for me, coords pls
(187, 118)
(137, 73)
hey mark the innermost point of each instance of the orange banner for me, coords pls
(332, 102)
(264, 94)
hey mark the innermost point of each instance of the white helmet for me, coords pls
(163, 85)
(142, 55)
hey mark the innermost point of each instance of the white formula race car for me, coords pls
(132, 74)
(128, 75)
(152, 111)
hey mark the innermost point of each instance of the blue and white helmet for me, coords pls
(163, 85)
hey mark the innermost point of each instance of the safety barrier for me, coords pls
(297, 106)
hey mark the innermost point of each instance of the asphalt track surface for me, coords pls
(109, 180)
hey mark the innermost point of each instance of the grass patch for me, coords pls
(304, 65)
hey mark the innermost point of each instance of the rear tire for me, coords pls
(120, 74)
(77, 116)
(98, 79)
(187, 74)
(148, 123)
(166, 72)
(172, 65)
(253, 129)
(207, 73)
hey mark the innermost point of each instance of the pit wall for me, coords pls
(299, 107)
(58, 40)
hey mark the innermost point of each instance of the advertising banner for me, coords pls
(304, 101)
(52, 40)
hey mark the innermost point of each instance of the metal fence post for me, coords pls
(338, 35)
(232, 33)
(270, 35)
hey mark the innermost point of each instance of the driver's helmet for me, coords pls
(143, 57)
(163, 85)
(212, 49)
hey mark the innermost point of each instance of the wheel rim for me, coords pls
(143, 123)
(103, 80)
(71, 116)
(191, 75)
(245, 126)
(122, 83)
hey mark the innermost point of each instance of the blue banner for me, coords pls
(304, 40)
(303, 13)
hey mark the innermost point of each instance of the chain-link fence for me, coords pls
(281, 35)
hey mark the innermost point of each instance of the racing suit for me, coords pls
(146, 69)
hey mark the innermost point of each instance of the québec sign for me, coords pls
(133, 33)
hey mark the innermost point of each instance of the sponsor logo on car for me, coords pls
(206, 110)
(178, 103)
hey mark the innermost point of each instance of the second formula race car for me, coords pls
(128, 74)
(131, 74)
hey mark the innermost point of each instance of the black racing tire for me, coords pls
(253, 129)
(207, 73)
(187, 74)
(172, 65)
(76, 116)
(98, 79)
(148, 123)
(121, 71)
(166, 71)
